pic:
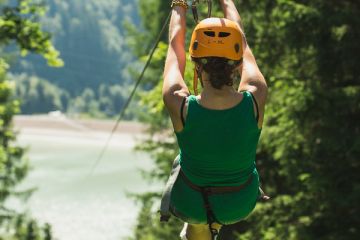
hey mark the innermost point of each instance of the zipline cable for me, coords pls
(127, 103)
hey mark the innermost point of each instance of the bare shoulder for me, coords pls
(252, 79)
(174, 102)
(259, 91)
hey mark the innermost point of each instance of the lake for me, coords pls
(80, 205)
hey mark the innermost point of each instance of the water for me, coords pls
(77, 205)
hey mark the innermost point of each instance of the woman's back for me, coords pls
(218, 147)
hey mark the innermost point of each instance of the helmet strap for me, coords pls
(195, 82)
(197, 76)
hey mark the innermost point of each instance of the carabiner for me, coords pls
(195, 12)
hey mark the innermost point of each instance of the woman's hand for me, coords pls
(179, 3)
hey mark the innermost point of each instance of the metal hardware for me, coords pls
(195, 11)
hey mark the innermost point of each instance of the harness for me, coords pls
(206, 192)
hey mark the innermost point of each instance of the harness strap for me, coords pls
(211, 219)
(166, 197)
(195, 82)
(216, 190)
(256, 106)
(206, 192)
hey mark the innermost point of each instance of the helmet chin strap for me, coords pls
(195, 82)
(197, 76)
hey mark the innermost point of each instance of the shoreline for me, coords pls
(63, 123)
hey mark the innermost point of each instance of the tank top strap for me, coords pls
(191, 98)
(191, 108)
(192, 103)
(247, 98)
(249, 105)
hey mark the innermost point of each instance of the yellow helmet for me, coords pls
(217, 37)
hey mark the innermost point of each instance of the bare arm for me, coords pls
(174, 87)
(231, 12)
(252, 79)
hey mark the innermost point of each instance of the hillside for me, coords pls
(92, 40)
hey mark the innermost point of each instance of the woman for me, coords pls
(219, 129)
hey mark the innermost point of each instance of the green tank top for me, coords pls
(218, 147)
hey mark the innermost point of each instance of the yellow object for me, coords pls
(181, 3)
(217, 37)
(197, 231)
(195, 82)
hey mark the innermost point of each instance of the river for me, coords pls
(80, 205)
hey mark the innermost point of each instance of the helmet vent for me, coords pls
(224, 34)
(237, 48)
(210, 33)
(195, 45)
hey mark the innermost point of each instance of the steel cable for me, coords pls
(127, 103)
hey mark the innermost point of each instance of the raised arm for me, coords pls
(174, 87)
(252, 79)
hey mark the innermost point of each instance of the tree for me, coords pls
(38, 95)
(18, 24)
(310, 145)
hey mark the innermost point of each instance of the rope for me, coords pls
(127, 103)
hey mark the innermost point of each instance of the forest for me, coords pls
(92, 41)
(309, 151)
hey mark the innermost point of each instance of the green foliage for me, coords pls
(311, 119)
(106, 102)
(37, 95)
(13, 169)
(310, 146)
(152, 229)
(23, 228)
(18, 24)
(91, 38)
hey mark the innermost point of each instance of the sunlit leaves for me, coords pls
(18, 24)
(21, 25)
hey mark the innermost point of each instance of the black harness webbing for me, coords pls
(132, 94)
(256, 106)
